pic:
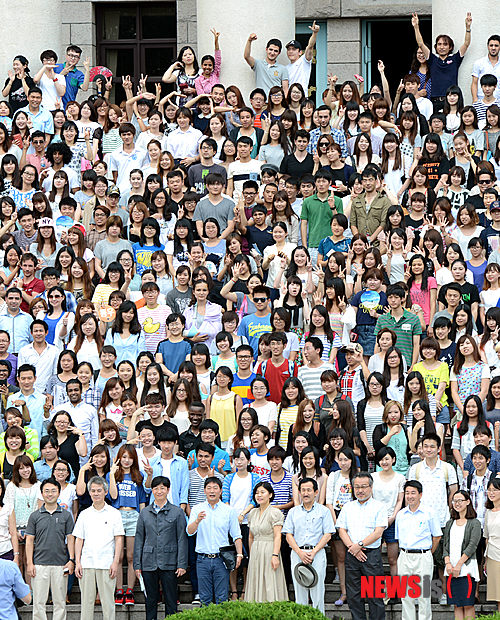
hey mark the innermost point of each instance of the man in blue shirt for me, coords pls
(254, 325)
(12, 586)
(209, 430)
(213, 522)
(75, 79)
(171, 466)
(16, 322)
(41, 119)
(308, 528)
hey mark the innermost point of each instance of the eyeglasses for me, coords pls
(243, 357)
(259, 300)
(249, 193)
(458, 501)
(277, 95)
(29, 174)
(55, 296)
(77, 56)
(38, 141)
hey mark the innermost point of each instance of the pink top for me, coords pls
(203, 84)
(423, 298)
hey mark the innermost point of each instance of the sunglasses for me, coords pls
(259, 300)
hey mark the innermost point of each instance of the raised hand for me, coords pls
(216, 34)
(252, 37)
(109, 83)
(114, 467)
(127, 82)
(380, 66)
(147, 467)
(314, 27)
(86, 63)
(414, 20)
(468, 21)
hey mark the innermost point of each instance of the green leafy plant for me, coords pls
(241, 610)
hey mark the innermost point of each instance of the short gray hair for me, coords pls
(363, 474)
(99, 480)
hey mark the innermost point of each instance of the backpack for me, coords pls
(291, 368)
(418, 469)
(323, 396)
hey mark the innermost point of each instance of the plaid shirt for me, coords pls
(336, 134)
(352, 385)
(91, 396)
(93, 237)
(474, 487)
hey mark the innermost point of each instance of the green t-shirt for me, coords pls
(319, 216)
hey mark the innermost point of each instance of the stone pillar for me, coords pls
(452, 22)
(29, 26)
(268, 19)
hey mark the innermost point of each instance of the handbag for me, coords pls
(228, 555)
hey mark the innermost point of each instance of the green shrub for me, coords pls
(495, 616)
(241, 610)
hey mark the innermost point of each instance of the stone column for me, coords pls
(29, 26)
(450, 20)
(235, 21)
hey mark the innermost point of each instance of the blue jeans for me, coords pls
(213, 580)
(443, 416)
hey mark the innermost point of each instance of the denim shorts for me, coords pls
(443, 416)
(366, 338)
(129, 520)
(389, 535)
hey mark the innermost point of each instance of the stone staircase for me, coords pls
(332, 593)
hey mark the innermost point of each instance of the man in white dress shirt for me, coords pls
(419, 532)
(99, 537)
(361, 524)
(39, 354)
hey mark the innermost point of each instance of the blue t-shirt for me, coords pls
(366, 301)
(74, 79)
(129, 494)
(142, 255)
(242, 388)
(218, 455)
(173, 353)
(478, 274)
(327, 246)
(444, 73)
(252, 327)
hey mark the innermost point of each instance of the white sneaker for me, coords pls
(196, 600)
(443, 600)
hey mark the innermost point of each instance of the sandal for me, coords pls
(341, 600)
(233, 594)
(242, 595)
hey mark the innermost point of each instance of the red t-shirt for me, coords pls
(35, 287)
(276, 376)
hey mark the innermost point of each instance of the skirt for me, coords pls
(493, 580)
(366, 338)
(460, 587)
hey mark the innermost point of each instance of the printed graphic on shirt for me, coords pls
(370, 300)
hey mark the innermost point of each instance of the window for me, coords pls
(135, 39)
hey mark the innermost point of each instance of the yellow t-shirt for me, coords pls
(432, 378)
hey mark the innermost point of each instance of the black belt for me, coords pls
(307, 547)
(438, 98)
(415, 550)
(209, 555)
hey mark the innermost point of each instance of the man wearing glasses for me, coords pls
(244, 376)
(48, 543)
(361, 524)
(75, 79)
(418, 531)
(36, 159)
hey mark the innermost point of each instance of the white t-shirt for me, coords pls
(300, 71)
(240, 493)
(260, 464)
(249, 171)
(166, 464)
(387, 492)
(267, 414)
(49, 91)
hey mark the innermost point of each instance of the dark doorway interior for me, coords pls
(398, 54)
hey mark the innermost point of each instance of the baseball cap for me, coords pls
(46, 222)
(270, 168)
(353, 348)
(495, 205)
(294, 43)
(113, 189)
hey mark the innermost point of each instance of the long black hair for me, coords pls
(387, 370)
(379, 377)
(429, 426)
(330, 452)
(150, 221)
(147, 384)
(439, 154)
(114, 266)
(317, 465)
(463, 425)
(468, 326)
(135, 326)
(425, 273)
(295, 454)
(182, 223)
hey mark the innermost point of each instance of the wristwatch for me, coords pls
(361, 543)
(239, 555)
(72, 560)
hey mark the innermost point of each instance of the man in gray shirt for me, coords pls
(198, 173)
(46, 551)
(215, 205)
(107, 250)
(268, 72)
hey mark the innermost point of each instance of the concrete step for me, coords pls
(137, 611)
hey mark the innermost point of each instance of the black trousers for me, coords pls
(354, 570)
(168, 581)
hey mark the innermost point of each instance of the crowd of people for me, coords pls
(232, 335)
